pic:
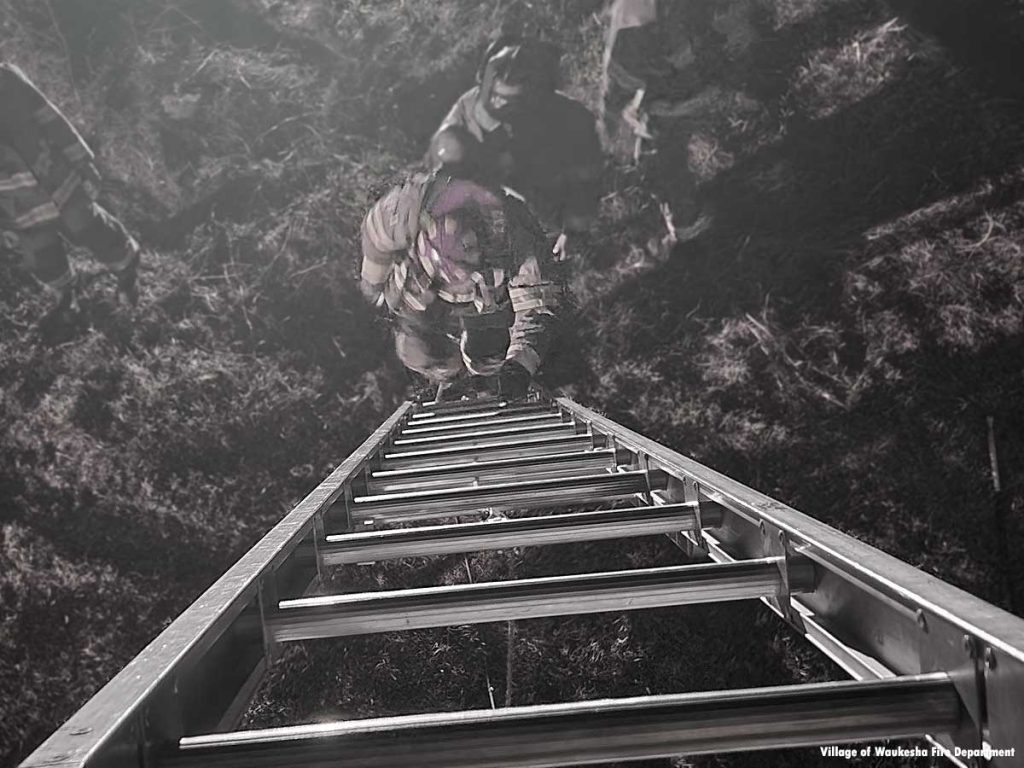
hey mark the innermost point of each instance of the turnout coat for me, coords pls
(510, 287)
(46, 168)
(550, 155)
(672, 49)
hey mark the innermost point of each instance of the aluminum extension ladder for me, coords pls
(925, 658)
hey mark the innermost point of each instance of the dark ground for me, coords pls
(837, 338)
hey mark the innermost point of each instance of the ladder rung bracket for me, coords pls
(487, 472)
(360, 614)
(552, 492)
(693, 543)
(599, 731)
(484, 436)
(522, 532)
(776, 544)
(552, 417)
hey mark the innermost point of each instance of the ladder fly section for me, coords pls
(925, 659)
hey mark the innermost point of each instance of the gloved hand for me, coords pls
(559, 251)
(127, 278)
(513, 381)
(372, 293)
(635, 116)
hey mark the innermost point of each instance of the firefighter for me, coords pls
(528, 137)
(661, 55)
(48, 190)
(665, 65)
(461, 270)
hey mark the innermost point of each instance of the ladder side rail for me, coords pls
(142, 708)
(866, 601)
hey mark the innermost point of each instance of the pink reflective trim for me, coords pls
(460, 193)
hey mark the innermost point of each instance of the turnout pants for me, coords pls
(44, 253)
(445, 348)
(34, 228)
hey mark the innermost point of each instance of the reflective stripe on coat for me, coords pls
(44, 161)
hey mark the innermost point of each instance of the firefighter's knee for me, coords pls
(44, 254)
(95, 228)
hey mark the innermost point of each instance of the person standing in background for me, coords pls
(665, 65)
(48, 191)
(526, 136)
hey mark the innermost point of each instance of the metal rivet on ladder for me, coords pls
(922, 620)
(969, 647)
(990, 659)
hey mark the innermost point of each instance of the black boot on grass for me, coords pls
(128, 283)
(60, 321)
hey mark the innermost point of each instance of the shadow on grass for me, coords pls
(786, 218)
(985, 38)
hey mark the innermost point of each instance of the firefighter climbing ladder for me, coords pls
(924, 658)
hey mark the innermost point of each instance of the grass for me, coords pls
(837, 336)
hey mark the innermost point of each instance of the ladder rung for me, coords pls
(468, 426)
(366, 613)
(485, 436)
(522, 532)
(486, 472)
(550, 492)
(602, 731)
(430, 410)
(534, 446)
(422, 420)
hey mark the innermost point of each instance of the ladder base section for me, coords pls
(599, 731)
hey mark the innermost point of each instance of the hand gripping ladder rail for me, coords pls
(925, 659)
